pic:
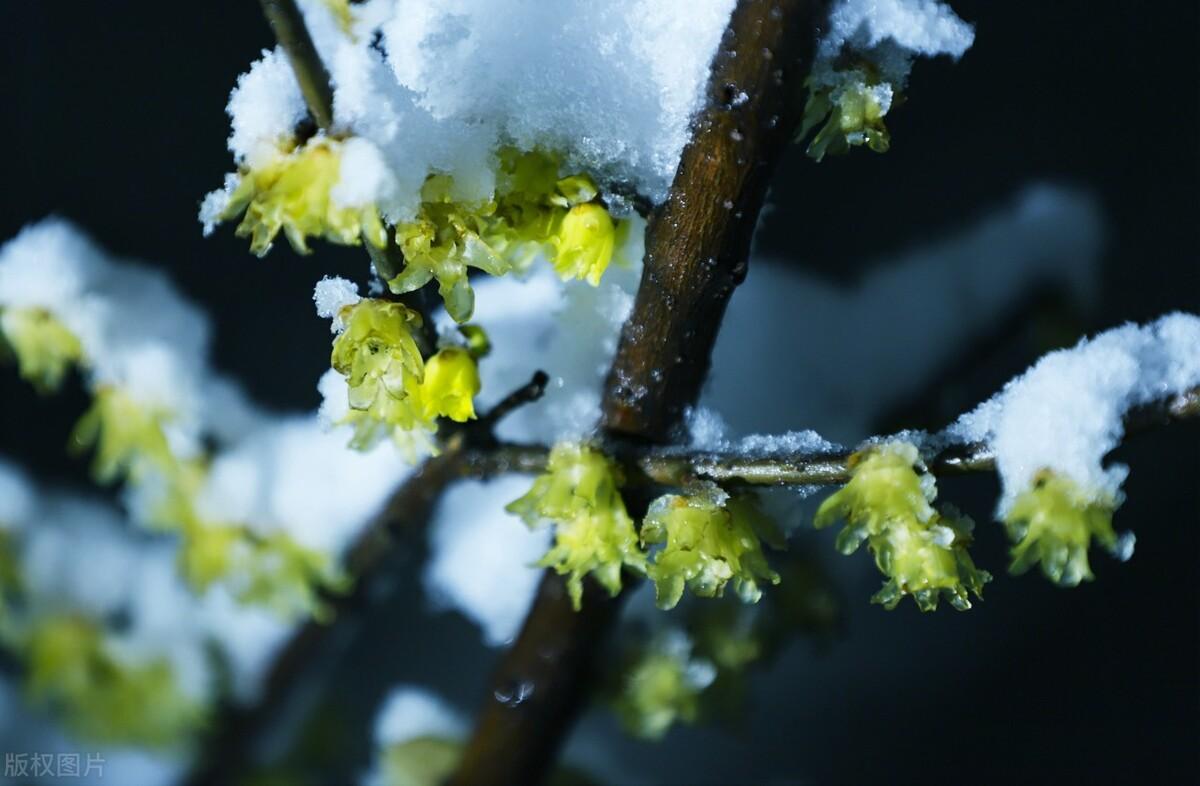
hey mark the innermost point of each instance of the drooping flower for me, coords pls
(383, 367)
(851, 104)
(292, 192)
(128, 437)
(922, 552)
(450, 385)
(709, 540)
(1052, 523)
(661, 685)
(593, 533)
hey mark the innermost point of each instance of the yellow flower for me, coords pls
(384, 370)
(128, 437)
(593, 533)
(451, 382)
(44, 347)
(584, 245)
(1053, 523)
(292, 192)
(710, 539)
(532, 212)
(851, 105)
(923, 553)
(661, 685)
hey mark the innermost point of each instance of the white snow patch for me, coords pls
(331, 295)
(1066, 413)
(482, 558)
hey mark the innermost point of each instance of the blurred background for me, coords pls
(114, 119)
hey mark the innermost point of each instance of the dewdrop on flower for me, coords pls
(1053, 523)
(709, 540)
(886, 504)
(291, 191)
(593, 533)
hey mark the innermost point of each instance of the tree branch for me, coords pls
(654, 467)
(697, 247)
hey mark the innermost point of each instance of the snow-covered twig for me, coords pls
(673, 467)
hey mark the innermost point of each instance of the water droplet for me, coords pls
(736, 135)
(514, 694)
(727, 204)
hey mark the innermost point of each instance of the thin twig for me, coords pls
(673, 467)
(528, 393)
(287, 22)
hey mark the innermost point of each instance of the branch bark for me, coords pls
(697, 248)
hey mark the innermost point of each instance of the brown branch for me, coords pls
(697, 248)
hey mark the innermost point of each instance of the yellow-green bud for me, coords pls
(584, 243)
(451, 383)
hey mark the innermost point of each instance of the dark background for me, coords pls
(113, 117)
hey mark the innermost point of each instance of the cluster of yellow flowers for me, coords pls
(532, 212)
(708, 539)
(922, 552)
(130, 445)
(392, 389)
(74, 668)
